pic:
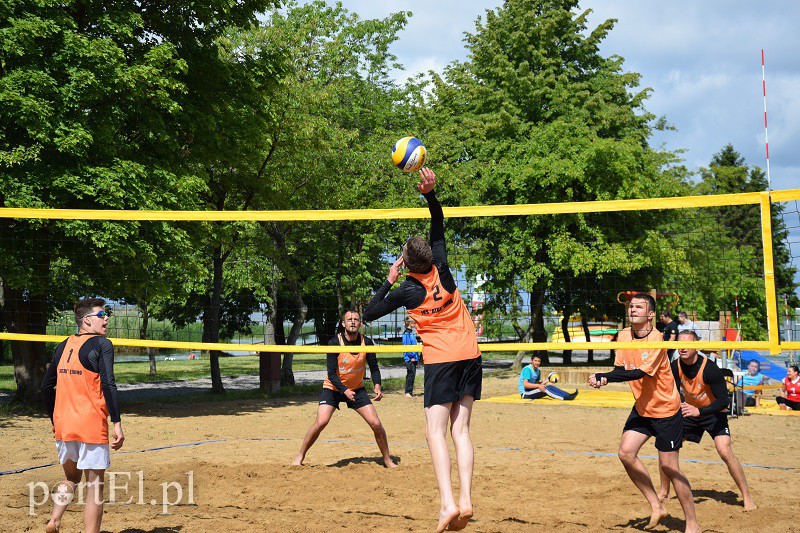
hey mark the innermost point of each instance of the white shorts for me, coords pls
(88, 456)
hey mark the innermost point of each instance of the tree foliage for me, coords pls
(95, 97)
(539, 115)
(256, 106)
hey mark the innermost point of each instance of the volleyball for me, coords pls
(553, 377)
(409, 154)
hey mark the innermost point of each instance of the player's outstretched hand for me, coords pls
(597, 383)
(394, 270)
(427, 179)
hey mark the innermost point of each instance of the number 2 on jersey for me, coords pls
(436, 296)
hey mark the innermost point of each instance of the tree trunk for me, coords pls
(3, 326)
(279, 240)
(151, 352)
(211, 315)
(269, 363)
(27, 314)
(565, 331)
(585, 324)
(536, 331)
(287, 375)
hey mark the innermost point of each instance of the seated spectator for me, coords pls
(753, 378)
(531, 386)
(789, 400)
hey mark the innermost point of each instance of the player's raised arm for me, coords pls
(426, 186)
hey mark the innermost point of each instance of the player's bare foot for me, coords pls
(388, 463)
(663, 497)
(750, 505)
(298, 461)
(446, 517)
(53, 527)
(693, 528)
(656, 517)
(408, 395)
(464, 516)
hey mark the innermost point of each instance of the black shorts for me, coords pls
(716, 424)
(667, 431)
(334, 397)
(449, 382)
(794, 406)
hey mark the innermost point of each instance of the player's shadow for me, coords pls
(670, 522)
(176, 529)
(363, 460)
(728, 497)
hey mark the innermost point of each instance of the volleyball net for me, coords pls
(535, 277)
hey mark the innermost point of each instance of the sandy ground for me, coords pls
(540, 466)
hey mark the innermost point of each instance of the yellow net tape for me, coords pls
(493, 347)
(393, 214)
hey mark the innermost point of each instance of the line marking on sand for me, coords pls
(402, 444)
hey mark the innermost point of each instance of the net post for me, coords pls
(769, 274)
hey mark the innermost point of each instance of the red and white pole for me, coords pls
(766, 134)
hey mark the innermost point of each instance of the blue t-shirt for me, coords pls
(534, 376)
(749, 381)
(408, 339)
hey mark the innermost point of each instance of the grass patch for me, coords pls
(295, 391)
(139, 372)
(13, 408)
(7, 383)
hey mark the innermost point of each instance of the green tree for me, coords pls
(84, 93)
(728, 173)
(329, 150)
(541, 116)
(95, 97)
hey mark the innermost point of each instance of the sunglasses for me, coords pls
(99, 314)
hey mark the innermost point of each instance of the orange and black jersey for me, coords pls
(95, 355)
(713, 379)
(433, 302)
(333, 361)
(411, 293)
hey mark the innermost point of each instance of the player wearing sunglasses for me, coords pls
(80, 394)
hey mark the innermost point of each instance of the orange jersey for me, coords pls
(656, 394)
(696, 391)
(443, 322)
(80, 412)
(350, 369)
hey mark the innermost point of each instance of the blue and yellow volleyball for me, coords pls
(553, 377)
(409, 154)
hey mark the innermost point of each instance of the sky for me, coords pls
(702, 60)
